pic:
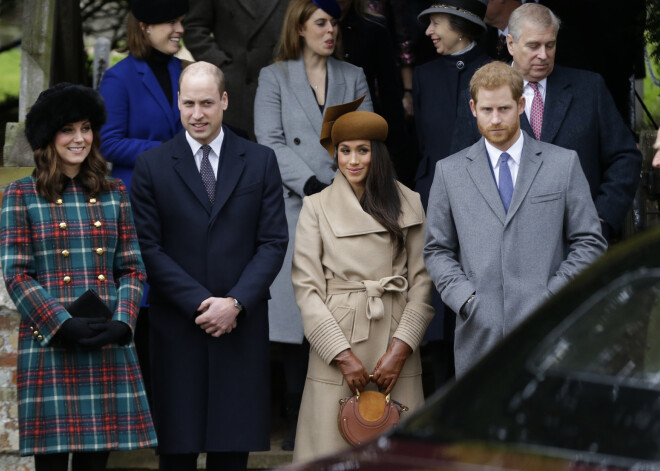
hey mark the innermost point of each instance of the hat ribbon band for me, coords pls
(477, 9)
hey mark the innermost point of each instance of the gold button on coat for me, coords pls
(67, 279)
(40, 338)
(65, 253)
(63, 225)
(101, 278)
(99, 251)
(36, 333)
(58, 201)
(32, 328)
(92, 200)
(97, 224)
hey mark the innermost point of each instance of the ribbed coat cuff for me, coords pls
(415, 319)
(328, 340)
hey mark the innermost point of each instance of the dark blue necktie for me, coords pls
(208, 177)
(506, 182)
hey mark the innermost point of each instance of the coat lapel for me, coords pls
(232, 163)
(558, 98)
(184, 165)
(530, 163)
(263, 13)
(154, 89)
(336, 85)
(304, 94)
(481, 173)
(346, 216)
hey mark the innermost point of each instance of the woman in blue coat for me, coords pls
(67, 231)
(140, 92)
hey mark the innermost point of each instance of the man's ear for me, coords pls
(473, 108)
(521, 105)
(225, 101)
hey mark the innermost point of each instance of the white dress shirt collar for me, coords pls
(214, 155)
(515, 153)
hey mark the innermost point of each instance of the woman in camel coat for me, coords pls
(359, 280)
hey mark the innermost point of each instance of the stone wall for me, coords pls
(9, 321)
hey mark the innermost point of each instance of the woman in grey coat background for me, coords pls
(291, 97)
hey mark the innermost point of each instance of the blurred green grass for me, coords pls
(10, 70)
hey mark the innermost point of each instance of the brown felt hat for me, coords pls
(344, 123)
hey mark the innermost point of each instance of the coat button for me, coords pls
(296, 141)
(40, 338)
(97, 224)
(32, 328)
(58, 201)
(92, 201)
(460, 65)
(99, 251)
(65, 253)
(101, 277)
(67, 279)
(35, 333)
(63, 225)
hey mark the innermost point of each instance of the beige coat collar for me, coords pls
(347, 218)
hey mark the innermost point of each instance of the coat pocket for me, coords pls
(545, 198)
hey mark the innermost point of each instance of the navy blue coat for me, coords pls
(579, 114)
(139, 115)
(437, 87)
(209, 394)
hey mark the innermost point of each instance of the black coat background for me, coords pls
(209, 394)
(368, 44)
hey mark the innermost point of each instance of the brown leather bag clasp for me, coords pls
(366, 415)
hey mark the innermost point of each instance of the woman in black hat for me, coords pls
(452, 26)
(292, 94)
(67, 239)
(141, 90)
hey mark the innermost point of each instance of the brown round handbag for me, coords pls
(366, 415)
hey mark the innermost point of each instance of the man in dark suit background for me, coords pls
(573, 109)
(497, 23)
(238, 36)
(209, 213)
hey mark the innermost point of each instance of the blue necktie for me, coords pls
(506, 182)
(208, 177)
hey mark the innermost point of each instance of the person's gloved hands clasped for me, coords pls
(389, 366)
(351, 367)
(113, 332)
(75, 329)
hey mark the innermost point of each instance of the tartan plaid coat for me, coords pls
(51, 253)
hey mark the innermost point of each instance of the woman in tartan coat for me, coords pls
(64, 230)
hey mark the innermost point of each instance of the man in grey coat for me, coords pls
(510, 220)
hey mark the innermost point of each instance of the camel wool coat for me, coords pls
(355, 291)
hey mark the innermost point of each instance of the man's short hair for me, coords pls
(494, 75)
(205, 68)
(534, 13)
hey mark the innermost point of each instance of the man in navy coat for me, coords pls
(577, 111)
(209, 214)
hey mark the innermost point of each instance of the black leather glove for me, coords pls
(75, 329)
(312, 186)
(113, 332)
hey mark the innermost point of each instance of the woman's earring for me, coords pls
(460, 38)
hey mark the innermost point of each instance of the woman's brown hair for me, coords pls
(51, 179)
(137, 41)
(381, 198)
(290, 45)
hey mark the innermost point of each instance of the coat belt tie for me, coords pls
(374, 309)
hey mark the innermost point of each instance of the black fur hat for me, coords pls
(61, 104)
(153, 12)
